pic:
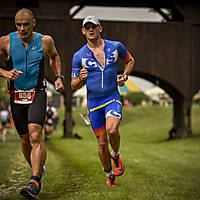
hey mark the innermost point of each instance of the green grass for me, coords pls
(155, 168)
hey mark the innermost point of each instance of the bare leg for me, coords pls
(26, 147)
(112, 125)
(48, 131)
(103, 151)
(38, 153)
(114, 137)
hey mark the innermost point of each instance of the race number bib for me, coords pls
(24, 96)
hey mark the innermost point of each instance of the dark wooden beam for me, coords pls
(165, 16)
(77, 10)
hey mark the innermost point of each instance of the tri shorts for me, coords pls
(108, 107)
(23, 114)
(49, 122)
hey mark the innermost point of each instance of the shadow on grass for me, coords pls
(195, 136)
(64, 180)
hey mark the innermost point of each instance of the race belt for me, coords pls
(24, 96)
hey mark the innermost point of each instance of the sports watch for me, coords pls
(125, 77)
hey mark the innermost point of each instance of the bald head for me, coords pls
(24, 12)
(25, 22)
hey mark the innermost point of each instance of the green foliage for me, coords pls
(3, 90)
(135, 98)
(197, 101)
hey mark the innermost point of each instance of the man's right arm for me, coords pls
(79, 74)
(77, 83)
(4, 53)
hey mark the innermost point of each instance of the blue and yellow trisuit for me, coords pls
(103, 98)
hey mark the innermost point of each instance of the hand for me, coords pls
(83, 74)
(59, 85)
(120, 80)
(13, 74)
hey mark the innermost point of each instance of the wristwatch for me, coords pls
(125, 77)
(59, 76)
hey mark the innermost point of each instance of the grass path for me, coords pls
(154, 167)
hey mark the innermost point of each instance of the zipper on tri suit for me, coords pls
(26, 63)
(102, 79)
(100, 67)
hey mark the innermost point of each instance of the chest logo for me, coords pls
(88, 63)
(112, 57)
(34, 48)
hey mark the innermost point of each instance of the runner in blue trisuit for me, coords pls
(96, 65)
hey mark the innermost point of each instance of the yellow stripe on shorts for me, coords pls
(105, 104)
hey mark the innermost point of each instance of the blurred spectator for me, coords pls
(50, 121)
(5, 121)
(173, 130)
(127, 103)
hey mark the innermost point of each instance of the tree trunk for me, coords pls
(182, 113)
(67, 133)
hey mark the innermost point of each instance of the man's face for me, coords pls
(24, 24)
(91, 31)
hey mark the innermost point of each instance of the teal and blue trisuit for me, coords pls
(31, 62)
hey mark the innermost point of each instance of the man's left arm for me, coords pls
(128, 68)
(54, 60)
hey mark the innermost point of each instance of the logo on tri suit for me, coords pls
(89, 63)
(113, 113)
(34, 48)
(112, 57)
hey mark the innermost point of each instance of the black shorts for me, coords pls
(49, 122)
(23, 114)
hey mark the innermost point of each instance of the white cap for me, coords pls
(91, 19)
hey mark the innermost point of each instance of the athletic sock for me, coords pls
(113, 153)
(109, 172)
(36, 180)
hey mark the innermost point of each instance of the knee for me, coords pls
(112, 130)
(35, 138)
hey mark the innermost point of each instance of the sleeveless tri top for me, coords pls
(30, 62)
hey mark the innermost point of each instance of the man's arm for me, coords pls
(4, 53)
(54, 60)
(128, 68)
(77, 83)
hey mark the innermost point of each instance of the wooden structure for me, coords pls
(166, 53)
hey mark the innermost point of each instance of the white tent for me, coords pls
(80, 92)
(154, 91)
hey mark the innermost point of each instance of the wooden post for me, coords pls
(182, 110)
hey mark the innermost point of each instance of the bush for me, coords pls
(135, 98)
(197, 101)
(3, 90)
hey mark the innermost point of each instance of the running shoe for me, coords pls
(30, 191)
(117, 165)
(111, 180)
